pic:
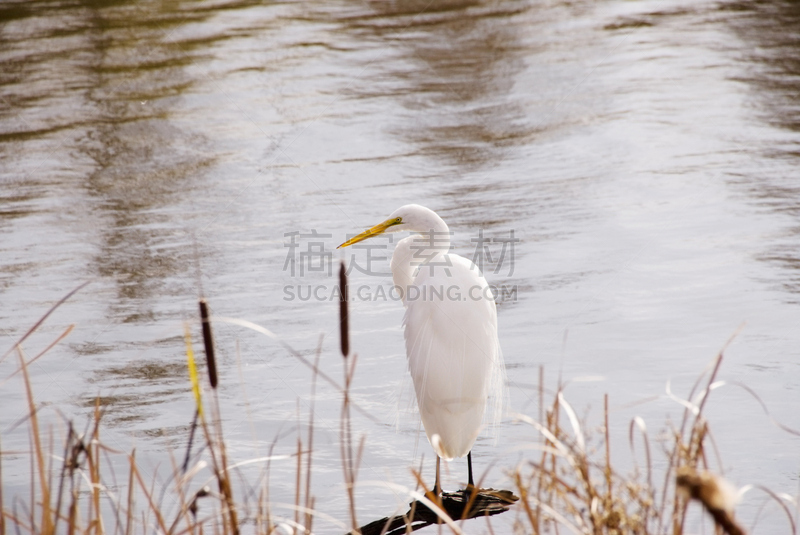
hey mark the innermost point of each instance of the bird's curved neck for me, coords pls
(419, 249)
(432, 232)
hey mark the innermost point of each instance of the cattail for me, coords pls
(343, 321)
(208, 342)
(716, 495)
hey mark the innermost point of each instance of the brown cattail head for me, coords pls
(208, 342)
(344, 328)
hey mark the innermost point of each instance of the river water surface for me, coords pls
(642, 156)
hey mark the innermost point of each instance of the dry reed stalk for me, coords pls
(2, 499)
(346, 444)
(50, 472)
(180, 481)
(607, 441)
(309, 502)
(220, 465)
(42, 319)
(42, 353)
(523, 497)
(536, 525)
(562, 480)
(93, 458)
(47, 521)
(693, 449)
(619, 504)
(129, 514)
(435, 500)
(72, 519)
(298, 476)
(149, 495)
(560, 493)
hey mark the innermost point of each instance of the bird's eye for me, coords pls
(399, 219)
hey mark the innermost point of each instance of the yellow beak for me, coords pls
(378, 229)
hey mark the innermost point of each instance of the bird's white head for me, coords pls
(411, 217)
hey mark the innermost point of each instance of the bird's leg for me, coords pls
(436, 488)
(469, 468)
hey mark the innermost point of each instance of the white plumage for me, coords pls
(452, 349)
(450, 331)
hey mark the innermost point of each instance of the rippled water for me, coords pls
(645, 155)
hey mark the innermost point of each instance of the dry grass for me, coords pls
(567, 485)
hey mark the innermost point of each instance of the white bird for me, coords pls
(450, 331)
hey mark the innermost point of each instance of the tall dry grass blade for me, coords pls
(430, 499)
(763, 405)
(714, 366)
(489, 525)
(50, 472)
(72, 519)
(41, 353)
(344, 329)
(192, 432)
(194, 379)
(320, 514)
(778, 500)
(540, 480)
(346, 444)
(180, 479)
(639, 423)
(225, 486)
(346, 452)
(2, 500)
(42, 319)
(66, 466)
(148, 494)
(193, 375)
(562, 520)
(549, 435)
(208, 343)
(607, 441)
(573, 420)
(32, 486)
(695, 443)
(266, 502)
(704, 397)
(219, 465)
(359, 456)
(298, 477)
(47, 524)
(526, 506)
(309, 500)
(95, 469)
(129, 513)
(296, 354)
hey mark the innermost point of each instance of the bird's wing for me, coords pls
(453, 352)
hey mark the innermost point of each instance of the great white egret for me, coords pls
(450, 330)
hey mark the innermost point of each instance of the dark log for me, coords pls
(485, 502)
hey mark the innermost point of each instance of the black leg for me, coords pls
(469, 467)
(436, 488)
